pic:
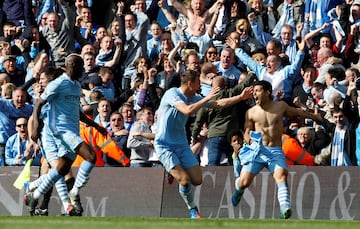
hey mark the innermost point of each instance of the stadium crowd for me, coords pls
(136, 50)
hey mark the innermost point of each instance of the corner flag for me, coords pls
(23, 176)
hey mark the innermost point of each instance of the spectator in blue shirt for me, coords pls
(18, 148)
(10, 110)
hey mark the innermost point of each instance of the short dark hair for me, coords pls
(318, 86)
(125, 104)
(337, 73)
(72, 59)
(52, 72)
(132, 14)
(192, 45)
(189, 75)
(265, 84)
(137, 61)
(276, 43)
(104, 70)
(327, 35)
(309, 66)
(235, 132)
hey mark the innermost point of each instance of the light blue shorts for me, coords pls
(48, 145)
(176, 155)
(66, 143)
(272, 158)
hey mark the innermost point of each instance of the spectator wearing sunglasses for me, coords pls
(18, 149)
(211, 54)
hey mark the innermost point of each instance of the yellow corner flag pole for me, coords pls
(23, 176)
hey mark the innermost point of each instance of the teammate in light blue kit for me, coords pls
(49, 150)
(63, 96)
(171, 143)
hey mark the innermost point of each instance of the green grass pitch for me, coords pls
(53, 222)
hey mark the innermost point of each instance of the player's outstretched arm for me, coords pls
(293, 112)
(194, 107)
(226, 102)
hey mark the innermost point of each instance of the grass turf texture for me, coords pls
(27, 222)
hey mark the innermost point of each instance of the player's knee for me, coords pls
(244, 183)
(197, 181)
(54, 163)
(280, 177)
(85, 152)
(44, 169)
(63, 168)
(184, 181)
(92, 157)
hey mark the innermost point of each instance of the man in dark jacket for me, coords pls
(220, 121)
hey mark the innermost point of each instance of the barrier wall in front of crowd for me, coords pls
(316, 193)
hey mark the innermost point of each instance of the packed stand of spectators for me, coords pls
(135, 50)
